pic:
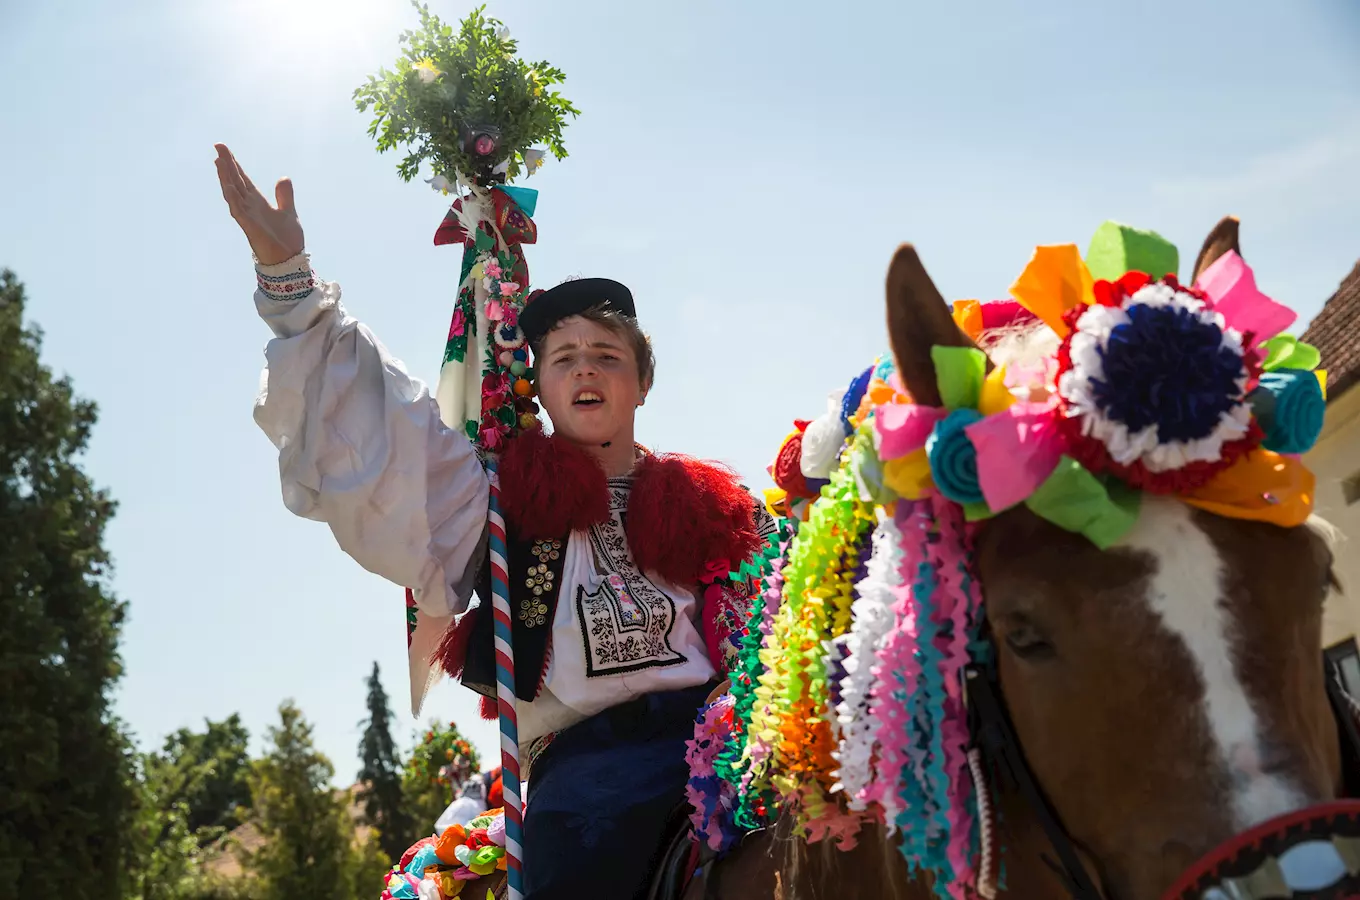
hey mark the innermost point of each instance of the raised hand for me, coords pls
(274, 233)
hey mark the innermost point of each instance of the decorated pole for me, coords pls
(505, 692)
(464, 102)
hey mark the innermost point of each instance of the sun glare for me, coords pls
(327, 34)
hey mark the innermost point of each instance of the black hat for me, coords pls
(571, 298)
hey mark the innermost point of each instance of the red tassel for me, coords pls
(452, 650)
(550, 488)
(684, 513)
(488, 709)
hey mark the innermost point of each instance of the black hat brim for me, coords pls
(571, 298)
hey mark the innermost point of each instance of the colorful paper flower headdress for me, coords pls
(1154, 387)
(1107, 379)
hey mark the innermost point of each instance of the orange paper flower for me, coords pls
(1261, 487)
(1055, 281)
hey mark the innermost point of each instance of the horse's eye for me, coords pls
(1028, 644)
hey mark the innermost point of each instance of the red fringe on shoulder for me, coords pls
(487, 709)
(684, 513)
(451, 653)
(550, 488)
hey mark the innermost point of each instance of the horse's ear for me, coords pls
(1222, 239)
(918, 319)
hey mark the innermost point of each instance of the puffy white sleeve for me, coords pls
(361, 445)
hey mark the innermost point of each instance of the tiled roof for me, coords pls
(1336, 334)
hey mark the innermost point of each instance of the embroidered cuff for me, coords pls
(289, 280)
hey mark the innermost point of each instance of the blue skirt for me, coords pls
(602, 795)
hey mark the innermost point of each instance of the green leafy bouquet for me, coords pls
(466, 103)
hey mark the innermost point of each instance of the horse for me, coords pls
(1144, 703)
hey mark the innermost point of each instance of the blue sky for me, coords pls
(747, 168)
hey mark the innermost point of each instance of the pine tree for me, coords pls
(381, 774)
(67, 787)
(308, 834)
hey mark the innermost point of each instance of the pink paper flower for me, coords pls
(493, 436)
(492, 269)
(495, 310)
(903, 428)
(509, 288)
(1231, 285)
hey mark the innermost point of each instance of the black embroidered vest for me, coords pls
(535, 584)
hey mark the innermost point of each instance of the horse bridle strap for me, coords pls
(994, 733)
(1347, 713)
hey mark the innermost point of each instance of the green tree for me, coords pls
(193, 791)
(371, 866)
(380, 775)
(438, 765)
(307, 831)
(208, 772)
(67, 786)
(167, 860)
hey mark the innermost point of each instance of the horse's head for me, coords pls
(1167, 691)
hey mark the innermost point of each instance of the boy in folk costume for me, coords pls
(617, 642)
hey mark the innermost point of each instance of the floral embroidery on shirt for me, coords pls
(626, 622)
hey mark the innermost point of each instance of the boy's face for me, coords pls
(588, 383)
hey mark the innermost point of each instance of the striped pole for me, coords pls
(505, 691)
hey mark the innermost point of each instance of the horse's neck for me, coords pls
(775, 864)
